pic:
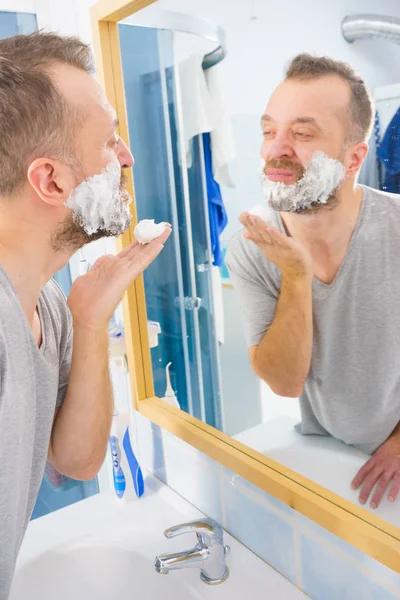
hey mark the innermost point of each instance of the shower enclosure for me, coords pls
(178, 285)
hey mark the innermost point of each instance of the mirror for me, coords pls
(195, 91)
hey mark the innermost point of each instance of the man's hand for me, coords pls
(94, 297)
(382, 470)
(289, 255)
(82, 426)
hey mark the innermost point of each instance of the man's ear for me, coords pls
(52, 180)
(354, 158)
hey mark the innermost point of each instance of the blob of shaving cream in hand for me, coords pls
(263, 212)
(146, 231)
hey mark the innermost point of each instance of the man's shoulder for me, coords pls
(381, 197)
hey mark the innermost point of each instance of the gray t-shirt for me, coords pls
(352, 391)
(33, 382)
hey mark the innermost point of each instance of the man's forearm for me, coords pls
(283, 356)
(82, 425)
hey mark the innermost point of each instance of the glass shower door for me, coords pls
(155, 192)
(203, 266)
(162, 190)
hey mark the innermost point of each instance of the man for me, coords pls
(60, 188)
(319, 283)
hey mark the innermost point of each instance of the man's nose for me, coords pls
(125, 157)
(279, 147)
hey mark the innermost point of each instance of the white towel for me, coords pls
(204, 111)
(222, 139)
(198, 113)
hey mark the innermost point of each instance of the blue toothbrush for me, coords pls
(118, 474)
(136, 471)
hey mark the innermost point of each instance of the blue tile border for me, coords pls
(260, 526)
(327, 575)
(372, 568)
(258, 492)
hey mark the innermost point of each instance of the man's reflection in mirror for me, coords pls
(317, 271)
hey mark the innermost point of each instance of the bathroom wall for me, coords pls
(313, 559)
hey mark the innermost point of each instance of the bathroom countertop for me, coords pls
(324, 460)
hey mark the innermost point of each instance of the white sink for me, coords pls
(93, 569)
(100, 549)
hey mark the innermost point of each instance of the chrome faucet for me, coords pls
(208, 555)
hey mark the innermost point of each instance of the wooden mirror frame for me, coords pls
(367, 532)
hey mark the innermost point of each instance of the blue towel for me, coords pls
(389, 154)
(216, 210)
(377, 134)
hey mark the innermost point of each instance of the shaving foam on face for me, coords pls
(147, 230)
(99, 203)
(321, 178)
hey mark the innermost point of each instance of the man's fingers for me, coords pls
(139, 249)
(134, 265)
(276, 235)
(369, 484)
(258, 241)
(254, 225)
(146, 256)
(267, 232)
(145, 252)
(259, 231)
(246, 221)
(362, 473)
(164, 236)
(394, 488)
(128, 249)
(381, 487)
(102, 260)
(243, 218)
(262, 232)
(263, 229)
(248, 236)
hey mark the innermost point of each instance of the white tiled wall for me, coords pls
(318, 562)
